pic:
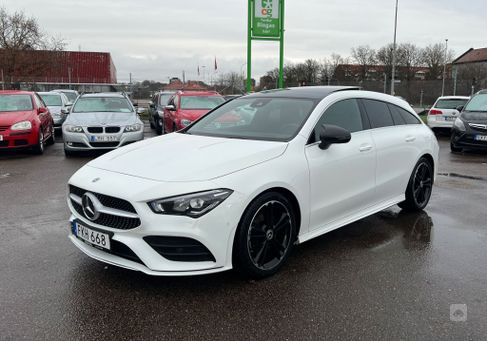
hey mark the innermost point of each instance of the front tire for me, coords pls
(39, 147)
(420, 186)
(455, 149)
(159, 125)
(265, 236)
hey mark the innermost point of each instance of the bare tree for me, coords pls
(18, 34)
(409, 57)
(434, 57)
(364, 56)
(384, 57)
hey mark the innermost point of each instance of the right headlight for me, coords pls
(459, 124)
(73, 129)
(193, 205)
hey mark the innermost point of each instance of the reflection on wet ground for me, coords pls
(390, 276)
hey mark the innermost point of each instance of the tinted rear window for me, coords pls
(450, 103)
(378, 113)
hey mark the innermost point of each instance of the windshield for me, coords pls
(477, 103)
(274, 119)
(15, 103)
(201, 102)
(52, 100)
(164, 99)
(451, 103)
(71, 96)
(102, 104)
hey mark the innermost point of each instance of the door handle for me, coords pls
(365, 147)
(410, 138)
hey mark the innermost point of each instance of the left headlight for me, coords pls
(193, 205)
(24, 125)
(132, 128)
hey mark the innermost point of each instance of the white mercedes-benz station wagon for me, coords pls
(254, 177)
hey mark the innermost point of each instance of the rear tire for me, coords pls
(265, 236)
(420, 186)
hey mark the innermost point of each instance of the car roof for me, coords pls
(49, 93)
(484, 91)
(453, 97)
(308, 92)
(64, 90)
(198, 93)
(15, 92)
(105, 94)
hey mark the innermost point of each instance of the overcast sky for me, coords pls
(157, 39)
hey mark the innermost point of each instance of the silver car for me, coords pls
(101, 121)
(58, 105)
(70, 94)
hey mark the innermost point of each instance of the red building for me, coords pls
(57, 67)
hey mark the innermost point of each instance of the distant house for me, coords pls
(176, 84)
(349, 72)
(472, 66)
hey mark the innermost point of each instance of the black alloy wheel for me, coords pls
(420, 186)
(266, 235)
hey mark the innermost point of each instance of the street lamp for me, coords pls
(393, 76)
(444, 68)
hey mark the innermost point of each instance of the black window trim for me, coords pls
(388, 103)
(365, 120)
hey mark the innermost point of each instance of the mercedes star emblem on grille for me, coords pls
(90, 204)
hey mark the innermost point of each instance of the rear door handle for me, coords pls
(365, 147)
(410, 138)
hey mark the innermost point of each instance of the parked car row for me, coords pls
(92, 121)
(465, 118)
(171, 112)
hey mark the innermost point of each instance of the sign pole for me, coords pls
(281, 46)
(249, 47)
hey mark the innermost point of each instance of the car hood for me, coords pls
(181, 157)
(54, 110)
(192, 114)
(9, 118)
(475, 117)
(101, 118)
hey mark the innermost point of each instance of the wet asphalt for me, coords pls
(391, 276)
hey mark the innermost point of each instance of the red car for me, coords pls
(185, 107)
(25, 121)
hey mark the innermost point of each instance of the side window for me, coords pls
(396, 115)
(407, 116)
(176, 102)
(345, 114)
(378, 113)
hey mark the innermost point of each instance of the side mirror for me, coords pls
(170, 107)
(460, 108)
(331, 134)
(140, 111)
(69, 104)
(65, 110)
(42, 110)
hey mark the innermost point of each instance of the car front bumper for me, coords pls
(467, 139)
(215, 230)
(86, 141)
(18, 139)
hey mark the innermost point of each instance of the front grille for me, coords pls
(112, 130)
(3, 128)
(478, 126)
(104, 144)
(180, 249)
(95, 130)
(21, 142)
(109, 220)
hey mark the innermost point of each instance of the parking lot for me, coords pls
(393, 275)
